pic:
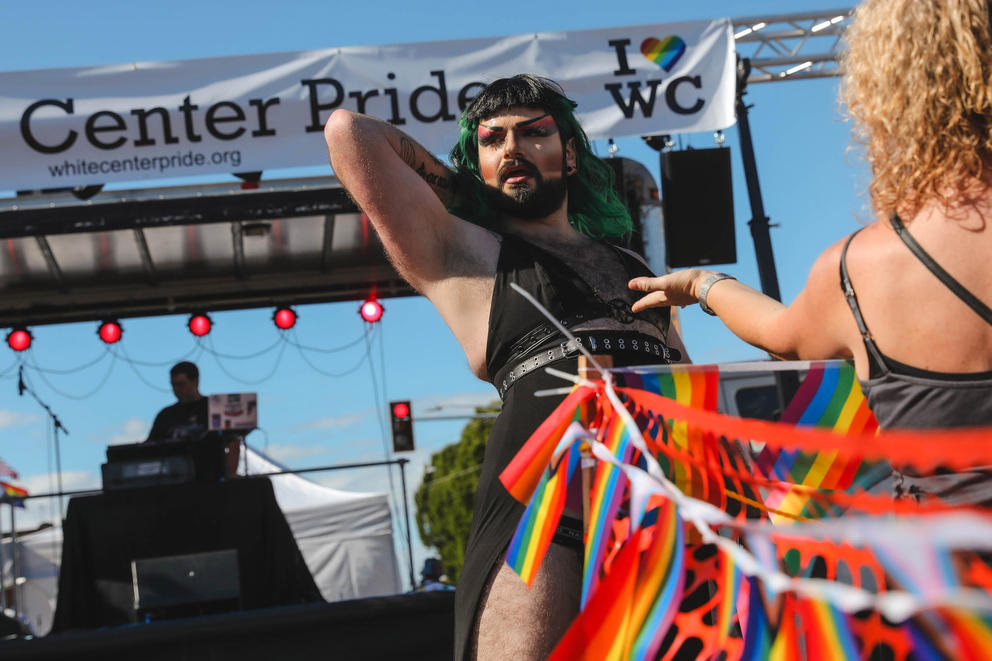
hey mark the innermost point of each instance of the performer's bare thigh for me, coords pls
(523, 624)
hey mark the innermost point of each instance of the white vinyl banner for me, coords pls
(153, 120)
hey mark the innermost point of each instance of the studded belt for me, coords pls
(628, 343)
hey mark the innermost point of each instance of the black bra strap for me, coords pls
(877, 364)
(969, 299)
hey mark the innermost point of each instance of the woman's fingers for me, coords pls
(671, 289)
(653, 300)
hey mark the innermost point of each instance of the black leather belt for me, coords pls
(596, 342)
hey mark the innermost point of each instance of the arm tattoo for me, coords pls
(440, 179)
(407, 152)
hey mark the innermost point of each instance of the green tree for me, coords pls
(445, 497)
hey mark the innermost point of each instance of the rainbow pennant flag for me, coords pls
(13, 495)
(608, 489)
(829, 398)
(537, 526)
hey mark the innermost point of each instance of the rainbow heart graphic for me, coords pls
(663, 52)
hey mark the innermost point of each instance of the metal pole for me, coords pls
(3, 562)
(58, 463)
(406, 513)
(786, 383)
(759, 222)
(16, 564)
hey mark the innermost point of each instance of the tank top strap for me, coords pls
(877, 364)
(956, 287)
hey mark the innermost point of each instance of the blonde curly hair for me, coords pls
(918, 85)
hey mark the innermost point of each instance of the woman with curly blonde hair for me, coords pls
(907, 298)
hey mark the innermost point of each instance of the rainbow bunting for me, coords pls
(643, 573)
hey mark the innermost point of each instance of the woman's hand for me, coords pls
(678, 288)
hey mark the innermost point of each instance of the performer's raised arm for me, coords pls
(404, 190)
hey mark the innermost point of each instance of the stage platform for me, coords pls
(408, 626)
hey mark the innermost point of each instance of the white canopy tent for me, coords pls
(346, 540)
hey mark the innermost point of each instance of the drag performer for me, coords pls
(526, 202)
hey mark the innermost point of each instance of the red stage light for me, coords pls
(371, 310)
(110, 332)
(284, 318)
(19, 339)
(199, 324)
(401, 410)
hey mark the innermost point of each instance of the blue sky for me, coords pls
(812, 188)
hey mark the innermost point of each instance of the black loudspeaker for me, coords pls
(698, 201)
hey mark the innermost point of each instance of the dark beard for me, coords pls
(529, 203)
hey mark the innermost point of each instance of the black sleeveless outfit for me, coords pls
(903, 396)
(520, 344)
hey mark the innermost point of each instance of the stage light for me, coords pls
(371, 310)
(199, 324)
(284, 318)
(401, 420)
(110, 332)
(19, 339)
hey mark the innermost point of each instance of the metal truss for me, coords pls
(791, 46)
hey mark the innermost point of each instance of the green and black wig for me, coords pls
(593, 205)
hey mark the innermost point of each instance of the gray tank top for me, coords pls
(902, 396)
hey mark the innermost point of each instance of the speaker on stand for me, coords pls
(698, 201)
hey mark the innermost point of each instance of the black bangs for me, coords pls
(520, 90)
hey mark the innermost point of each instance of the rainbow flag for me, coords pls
(827, 632)
(13, 495)
(659, 585)
(697, 386)
(537, 526)
(829, 398)
(608, 489)
(522, 475)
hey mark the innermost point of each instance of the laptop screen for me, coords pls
(232, 411)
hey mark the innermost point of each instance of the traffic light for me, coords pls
(401, 418)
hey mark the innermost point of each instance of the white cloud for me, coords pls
(285, 453)
(10, 419)
(454, 403)
(71, 481)
(134, 430)
(335, 422)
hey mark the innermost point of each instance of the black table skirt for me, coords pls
(102, 534)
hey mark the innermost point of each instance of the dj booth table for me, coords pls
(104, 533)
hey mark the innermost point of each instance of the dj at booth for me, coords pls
(188, 419)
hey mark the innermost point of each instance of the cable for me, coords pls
(99, 385)
(14, 364)
(272, 346)
(299, 345)
(385, 443)
(249, 382)
(189, 355)
(52, 370)
(133, 365)
(333, 375)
